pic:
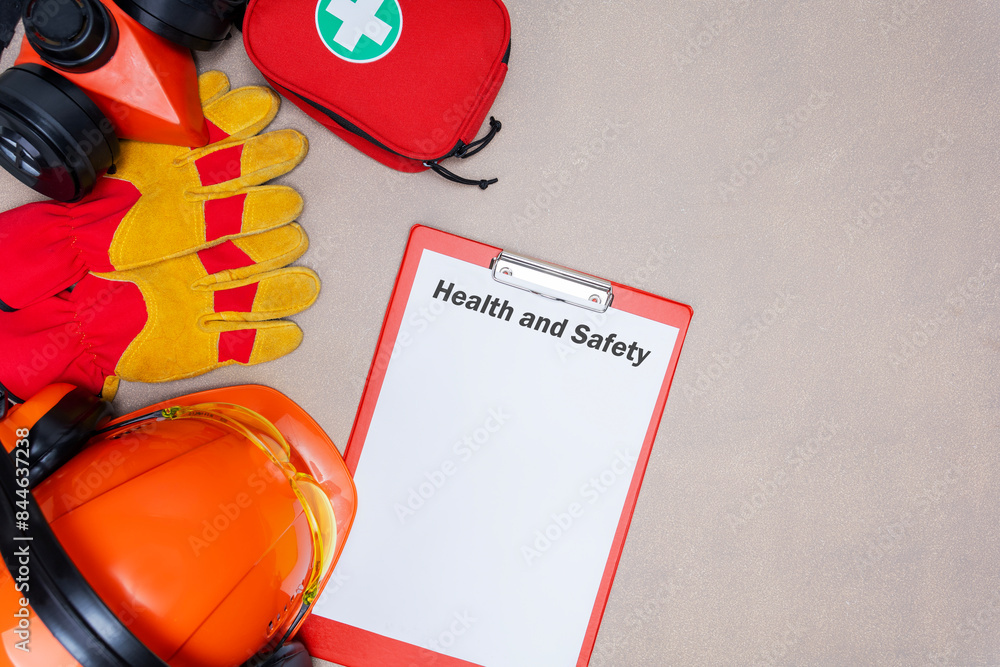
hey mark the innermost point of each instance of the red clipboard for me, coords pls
(333, 631)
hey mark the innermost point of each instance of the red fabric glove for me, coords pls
(75, 337)
(47, 247)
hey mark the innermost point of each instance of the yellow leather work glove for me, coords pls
(162, 202)
(174, 319)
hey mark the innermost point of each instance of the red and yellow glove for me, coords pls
(170, 320)
(175, 265)
(163, 201)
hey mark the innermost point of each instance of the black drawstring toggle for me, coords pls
(468, 150)
(455, 178)
(463, 151)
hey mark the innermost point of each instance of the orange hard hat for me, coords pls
(194, 533)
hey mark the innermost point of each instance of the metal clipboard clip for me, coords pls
(552, 282)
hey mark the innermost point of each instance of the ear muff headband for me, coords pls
(63, 431)
(60, 596)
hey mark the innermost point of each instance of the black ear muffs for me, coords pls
(60, 420)
(60, 596)
(197, 24)
(53, 138)
(62, 432)
(69, 607)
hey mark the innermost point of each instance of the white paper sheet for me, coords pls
(494, 474)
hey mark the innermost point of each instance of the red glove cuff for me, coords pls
(46, 247)
(76, 337)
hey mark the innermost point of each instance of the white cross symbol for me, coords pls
(359, 19)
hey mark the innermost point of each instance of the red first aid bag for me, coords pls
(408, 82)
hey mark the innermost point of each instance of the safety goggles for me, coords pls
(268, 439)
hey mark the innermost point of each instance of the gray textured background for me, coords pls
(819, 181)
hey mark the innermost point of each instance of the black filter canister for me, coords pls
(71, 35)
(197, 24)
(53, 138)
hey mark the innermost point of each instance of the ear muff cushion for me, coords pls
(292, 654)
(60, 596)
(53, 138)
(62, 432)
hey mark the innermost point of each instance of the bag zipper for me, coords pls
(461, 149)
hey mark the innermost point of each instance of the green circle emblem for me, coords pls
(359, 31)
